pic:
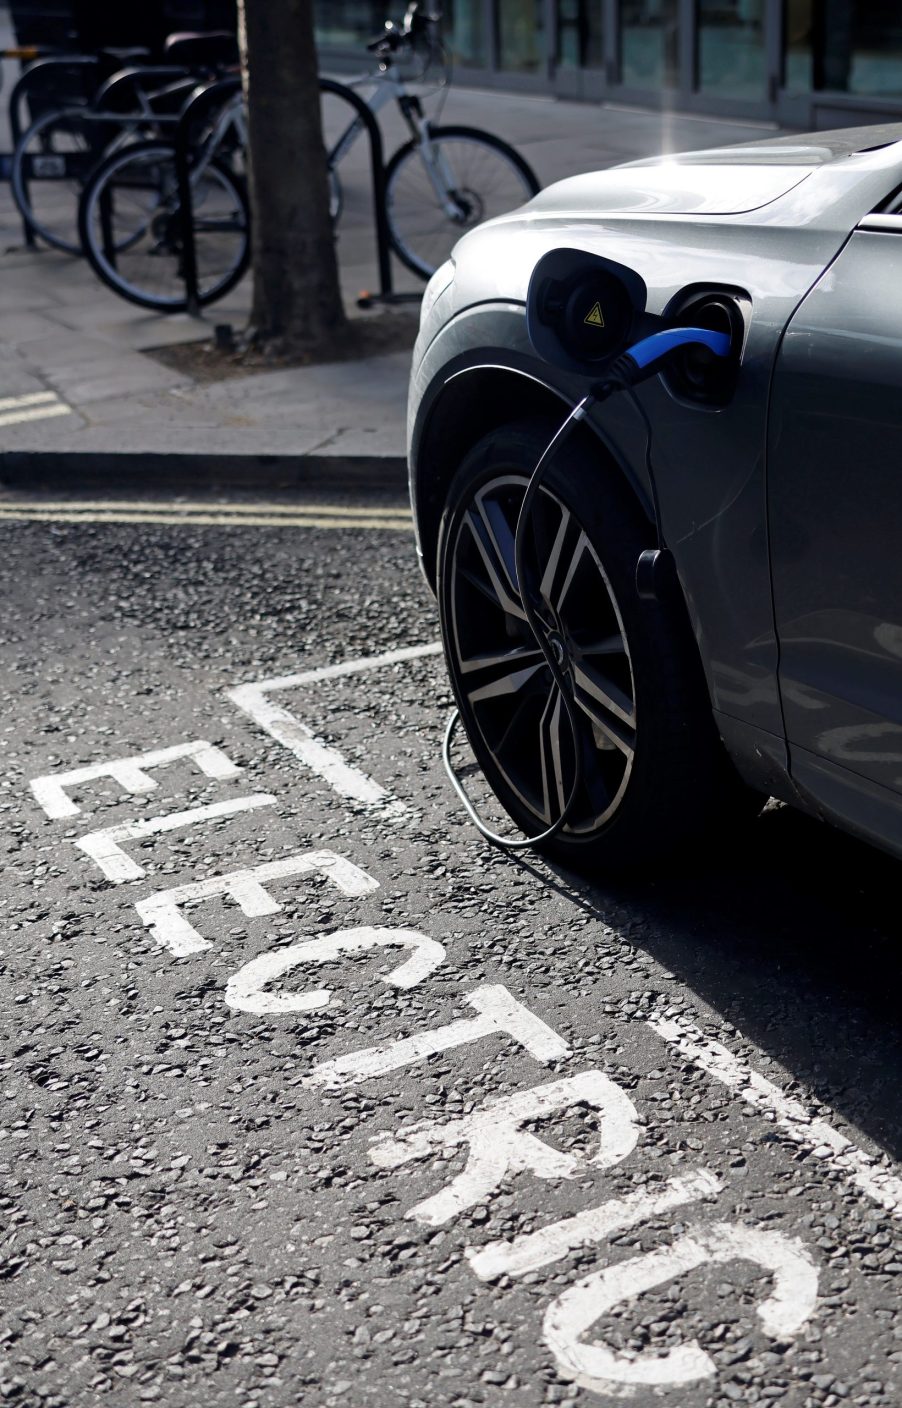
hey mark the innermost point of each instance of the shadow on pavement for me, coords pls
(792, 932)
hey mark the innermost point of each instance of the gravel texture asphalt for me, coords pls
(202, 1204)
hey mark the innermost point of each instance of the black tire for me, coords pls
(630, 810)
(422, 234)
(159, 254)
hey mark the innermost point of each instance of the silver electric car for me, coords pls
(717, 555)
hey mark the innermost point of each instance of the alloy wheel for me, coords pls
(511, 707)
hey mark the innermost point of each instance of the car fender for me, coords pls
(456, 370)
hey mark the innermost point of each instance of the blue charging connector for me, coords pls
(652, 349)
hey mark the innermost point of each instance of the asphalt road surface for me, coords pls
(309, 1096)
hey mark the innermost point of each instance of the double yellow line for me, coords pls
(204, 514)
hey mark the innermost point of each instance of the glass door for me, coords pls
(579, 34)
(839, 46)
(649, 43)
(464, 31)
(579, 57)
(348, 22)
(732, 59)
(521, 37)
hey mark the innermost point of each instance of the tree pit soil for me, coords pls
(368, 336)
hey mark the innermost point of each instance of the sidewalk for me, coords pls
(77, 378)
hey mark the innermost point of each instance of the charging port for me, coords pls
(694, 374)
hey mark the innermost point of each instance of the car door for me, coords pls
(835, 524)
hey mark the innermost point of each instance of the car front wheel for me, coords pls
(654, 774)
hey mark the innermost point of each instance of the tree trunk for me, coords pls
(297, 307)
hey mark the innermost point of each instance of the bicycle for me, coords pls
(440, 183)
(57, 153)
(445, 179)
(131, 214)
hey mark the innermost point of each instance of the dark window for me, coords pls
(521, 39)
(579, 34)
(844, 46)
(350, 22)
(731, 47)
(464, 32)
(648, 43)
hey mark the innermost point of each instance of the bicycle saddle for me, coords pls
(133, 54)
(118, 93)
(214, 49)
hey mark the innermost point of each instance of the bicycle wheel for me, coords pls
(430, 203)
(130, 221)
(50, 165)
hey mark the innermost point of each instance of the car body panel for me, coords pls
(846, 798)
(670, 190)
(835, 477)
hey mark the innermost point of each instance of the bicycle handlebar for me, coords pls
(416, 26)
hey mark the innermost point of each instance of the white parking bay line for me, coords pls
(833, 1149)
(31, 398)
(53, 407)
(872, 1176)
(349, 782)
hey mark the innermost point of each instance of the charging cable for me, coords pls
(640, 361)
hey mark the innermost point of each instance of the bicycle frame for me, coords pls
(172, 78)
(228, 113)
(387, 89)
(171, 196)
(231, 117)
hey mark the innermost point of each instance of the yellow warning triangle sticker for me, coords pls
(594, 317)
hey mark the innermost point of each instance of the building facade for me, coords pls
(804, 63)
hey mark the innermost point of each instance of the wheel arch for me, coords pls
(471, 402)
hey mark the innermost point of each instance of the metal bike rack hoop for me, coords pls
(211, 94)
(377, 167)
(218, 92)
(33, 77)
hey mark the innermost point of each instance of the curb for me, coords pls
(74, 470)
